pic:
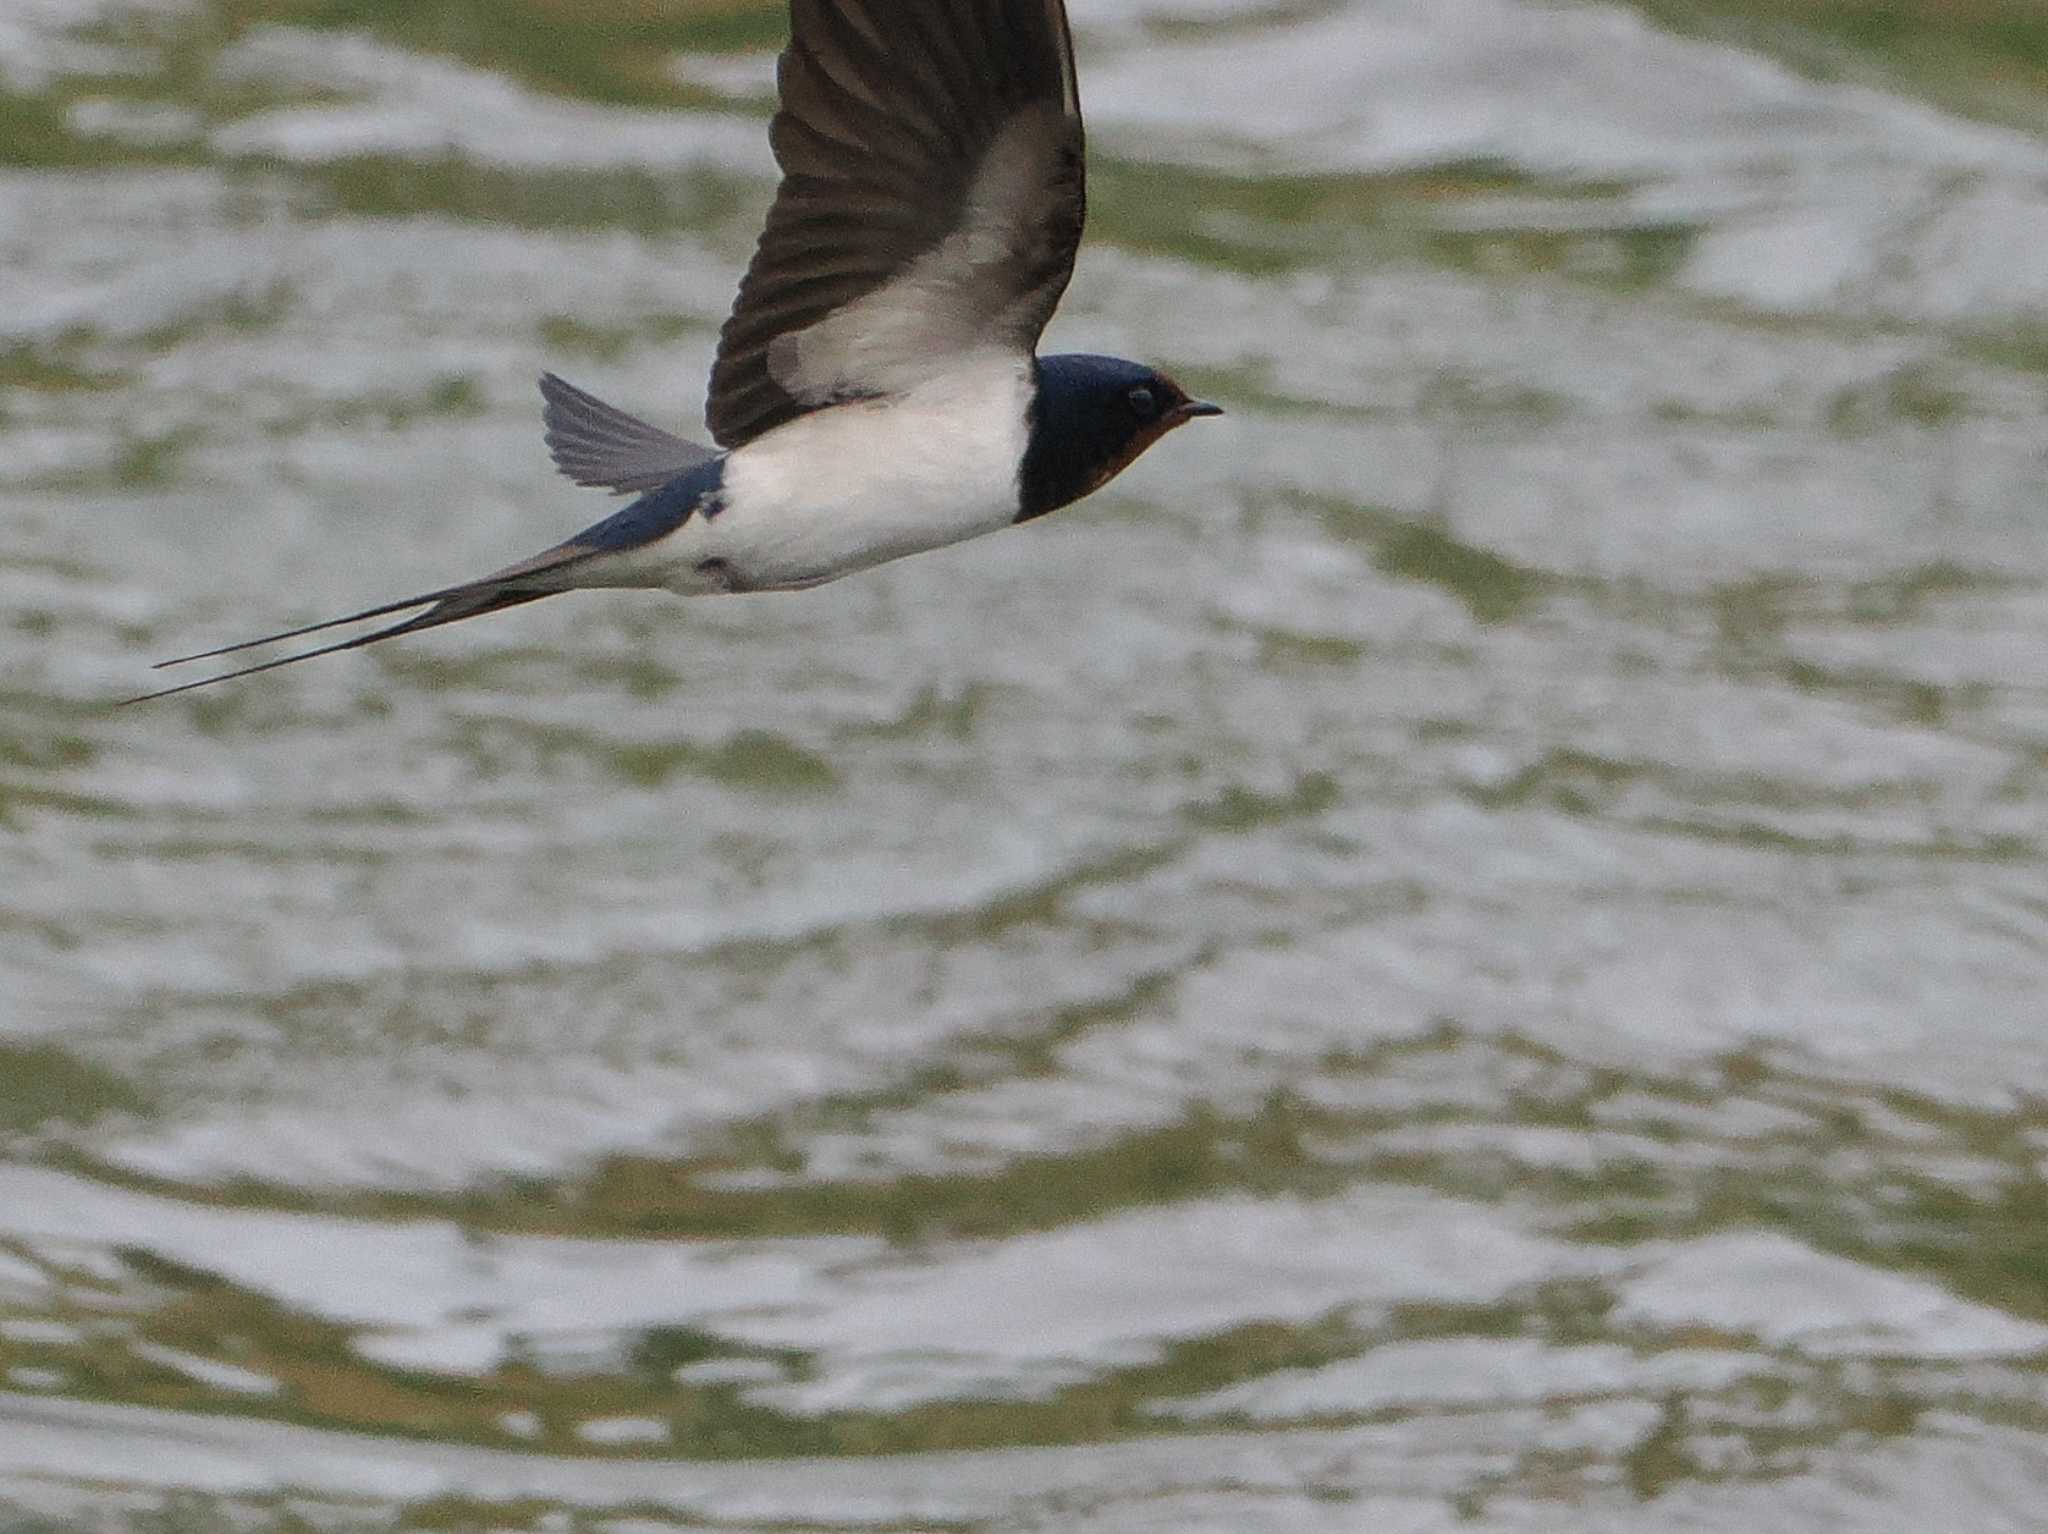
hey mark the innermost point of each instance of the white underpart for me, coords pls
(856, 485)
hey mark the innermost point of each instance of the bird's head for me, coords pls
(1090, 420)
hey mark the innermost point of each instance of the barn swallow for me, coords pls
(876, 390)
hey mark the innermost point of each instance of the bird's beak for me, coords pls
(1194, 407)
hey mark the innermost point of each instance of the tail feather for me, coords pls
(601, 445)
(381, 611)
(464, 602)
(452, 604)
(652, 517)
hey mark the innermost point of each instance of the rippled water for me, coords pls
(1462, 950)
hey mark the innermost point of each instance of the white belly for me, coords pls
(859, 484)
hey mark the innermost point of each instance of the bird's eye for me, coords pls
(1144, 403)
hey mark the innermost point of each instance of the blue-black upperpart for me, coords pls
(696, 491)
(1090, 419)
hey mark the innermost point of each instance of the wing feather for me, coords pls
(932, 199)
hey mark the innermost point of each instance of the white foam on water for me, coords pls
(210, 1372)
(1788, 1295)
(39, 41)
(1038, 1310)
(1467, 1371)
(408, 105)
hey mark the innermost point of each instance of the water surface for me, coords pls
(1460, 950)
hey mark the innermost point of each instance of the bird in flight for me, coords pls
(876, 390)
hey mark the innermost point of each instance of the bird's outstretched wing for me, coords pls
(932, 198)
